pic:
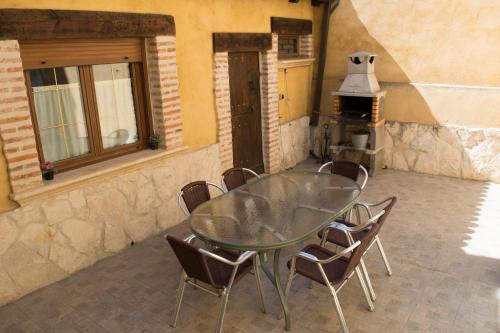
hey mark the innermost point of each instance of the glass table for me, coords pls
(272, 213)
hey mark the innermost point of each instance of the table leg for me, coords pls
(274, 277)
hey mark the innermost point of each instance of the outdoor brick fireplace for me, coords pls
(359, 105)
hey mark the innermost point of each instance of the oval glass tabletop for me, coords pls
(275, 211)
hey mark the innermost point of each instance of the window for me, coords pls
(87, 99)
(288, 46)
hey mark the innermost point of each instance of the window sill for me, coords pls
(295, 62)
(75, 178)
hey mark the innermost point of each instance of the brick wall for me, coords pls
(164, 90)
(270, 114)
(306, 46)
(223, 109)
(16, 128)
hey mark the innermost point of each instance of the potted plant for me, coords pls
(48, 170)
(154, 141)
(360, 139)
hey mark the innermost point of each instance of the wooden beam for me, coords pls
(242, 42)
(32, 24)
(288, 26)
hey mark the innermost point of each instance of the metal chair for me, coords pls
(235, 177)
(331, 269)
(350, 170)
(194, 194)
(351, 232)
(347, 169)
(214, 272)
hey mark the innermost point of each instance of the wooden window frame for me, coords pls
(296, 54)
(142, 107)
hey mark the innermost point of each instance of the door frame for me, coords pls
(254, 154)
(267, 46)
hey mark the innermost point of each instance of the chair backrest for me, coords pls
(367, 239)
(391, 201)
(235, 177)
(194, 194)
(347, 169)
(191, 259)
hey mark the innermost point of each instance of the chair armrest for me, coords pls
(314, 259)
(365, 206)
(376, 204)
(242, 258)
(358, 228)
(188, 239)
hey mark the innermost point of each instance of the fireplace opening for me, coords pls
(356, 109)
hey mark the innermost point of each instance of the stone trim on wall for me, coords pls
(269, 107)
(295, 144)
(164, 90)
(455, 151)
(54, 236)
(16, 127)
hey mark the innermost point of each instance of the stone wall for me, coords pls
(454, 151)
(50, 238)
(295, 137)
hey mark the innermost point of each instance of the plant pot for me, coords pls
(154, 145)
(359, 141)
(48, 174)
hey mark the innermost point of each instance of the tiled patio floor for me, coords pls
(441, 239)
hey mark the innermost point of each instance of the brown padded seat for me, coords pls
(203, 268)
(334, 270)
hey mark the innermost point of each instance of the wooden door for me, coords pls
(244, 83)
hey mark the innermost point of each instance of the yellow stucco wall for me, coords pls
(295, 88)
(195, 21)
(439, 60)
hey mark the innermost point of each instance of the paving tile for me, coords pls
(436, 285)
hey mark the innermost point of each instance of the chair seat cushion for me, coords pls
(338, 237)
(221, 272)
(334, 270)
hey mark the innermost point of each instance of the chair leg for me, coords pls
(222, 310)
(180, 294)
(289, 280)
(384, 257)
(367, 279)
(371, 307)
(338, 309)
(258, 281)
